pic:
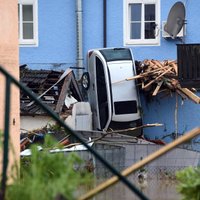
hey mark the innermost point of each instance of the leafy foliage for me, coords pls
(48, 176)
(189, 183)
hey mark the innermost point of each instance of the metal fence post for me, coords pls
(6, 138)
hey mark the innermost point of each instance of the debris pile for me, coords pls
(156, 77)
(57, 89)
(37, 136)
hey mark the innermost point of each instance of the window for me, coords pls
(27, 22)
(102, 93)
(142, 22)
(116, 54)
(125, 107)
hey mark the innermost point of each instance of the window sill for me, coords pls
(136, 43)
(28, 44)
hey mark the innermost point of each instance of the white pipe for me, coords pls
(79, 32)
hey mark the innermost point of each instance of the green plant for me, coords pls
(189, 183)
(46, 176)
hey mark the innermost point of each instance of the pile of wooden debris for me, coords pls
(156, 77)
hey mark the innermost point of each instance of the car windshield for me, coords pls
(116, 54)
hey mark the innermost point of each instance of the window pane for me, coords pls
(102, 93)
(150, 30)
(136, 12)
(18, 12)
(27, 13)
(116, 54)
(18, 21)
(125, 107)
(28, 31)
(135, 31)
(150, 12)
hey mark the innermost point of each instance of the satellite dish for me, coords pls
(175, 20)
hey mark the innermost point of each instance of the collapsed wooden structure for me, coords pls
(52, 87)
(162, 76)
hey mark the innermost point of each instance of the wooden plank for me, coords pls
(174, 67)
(151, 82)
(141, 75)
(190, 94)
(158, 63)
(157, 88)
(135, 128)
(74, 82)
(183, 96)
(63, 93)
(142, 84)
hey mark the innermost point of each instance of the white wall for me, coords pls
(31, 123)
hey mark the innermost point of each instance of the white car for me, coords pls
(114, 101)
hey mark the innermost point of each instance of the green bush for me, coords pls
(189, 183)
(46, 176)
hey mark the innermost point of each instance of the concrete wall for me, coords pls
(124, 156)
(175, 159)
(9, 61)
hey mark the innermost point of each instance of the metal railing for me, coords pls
(11, 80)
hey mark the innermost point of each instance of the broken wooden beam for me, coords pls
(157, 88)
(64, 91)
(150, 83)
(190, 94)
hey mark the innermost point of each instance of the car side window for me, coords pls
(102, 93)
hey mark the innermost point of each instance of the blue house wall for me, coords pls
(57, 32)
(57, 50)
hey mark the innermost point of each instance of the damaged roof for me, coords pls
(52, 87)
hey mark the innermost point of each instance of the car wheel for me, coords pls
(85, 80)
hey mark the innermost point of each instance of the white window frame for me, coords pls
(142, 41)
(34, 41)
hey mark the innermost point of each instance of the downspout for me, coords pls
(79, 33)
(104, 23)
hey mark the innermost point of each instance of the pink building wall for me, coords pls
(9, 60)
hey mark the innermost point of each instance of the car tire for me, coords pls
(85, 80)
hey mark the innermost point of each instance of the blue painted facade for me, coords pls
(57, 32)
(57, 50)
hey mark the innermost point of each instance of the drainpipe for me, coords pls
(79, 32)
(104, 23)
